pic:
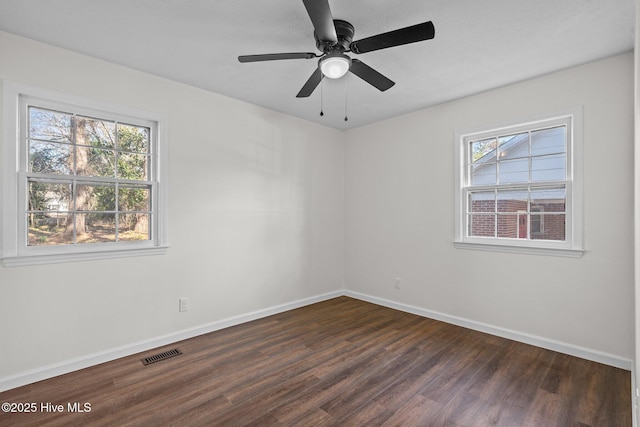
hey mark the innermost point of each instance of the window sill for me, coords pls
(570, 253)
(27, 260)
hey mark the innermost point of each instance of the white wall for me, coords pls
(400, 216)
(256, 220)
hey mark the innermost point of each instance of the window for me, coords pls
(81, 181)
(519, 187)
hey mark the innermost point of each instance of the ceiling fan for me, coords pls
(334, 37)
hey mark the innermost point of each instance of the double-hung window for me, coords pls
(519, 187)
(82, 182)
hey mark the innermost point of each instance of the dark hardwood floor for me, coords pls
(341, 362)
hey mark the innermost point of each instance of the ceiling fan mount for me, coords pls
(334, 37)
(344, 33)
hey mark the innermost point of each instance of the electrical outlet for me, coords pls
(184, 304)
(396, 283)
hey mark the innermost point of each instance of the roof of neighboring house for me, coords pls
(509, 143)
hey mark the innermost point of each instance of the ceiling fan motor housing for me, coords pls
(345, 33)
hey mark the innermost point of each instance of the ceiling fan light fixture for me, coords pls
(335, 65)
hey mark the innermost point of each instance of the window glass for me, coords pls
(513, 171)
(66, 206)
(549, 168)
(548, 141)
(513, 146)
(47, 125)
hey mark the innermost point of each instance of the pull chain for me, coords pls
(322, 97)
(346, 93)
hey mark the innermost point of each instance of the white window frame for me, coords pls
(572, 246)
(14, 250)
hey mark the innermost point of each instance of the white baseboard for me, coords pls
(570, 349)
(75, 364)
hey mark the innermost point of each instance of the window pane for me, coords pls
(49, 125)
(483, 166)
(133, 138)
(483, 174)
(134, 227)
(95, 162)
(548, 200)
(548, 141)
(548, 227)
(95, 197)
(50, 158)
(134, 198)
(48, 229)
(513, 146)
(482, 151)
(133, 166)
(513, 171)
(482, 201)
(548, 168)
(512, 226)
(95, 227)
(512, 200)
(46, 196)
(482, 225)
(96, 133)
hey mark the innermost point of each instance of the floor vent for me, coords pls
(161, 356)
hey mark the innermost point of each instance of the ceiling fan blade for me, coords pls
(276, 56)
(321, 18)
(370, 75)
(412, 34)
(311, 84)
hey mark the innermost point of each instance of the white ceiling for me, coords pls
(479, 45)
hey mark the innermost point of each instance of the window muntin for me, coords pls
(518, 213)
(87, 179)
(503, 163)
(516, 187)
